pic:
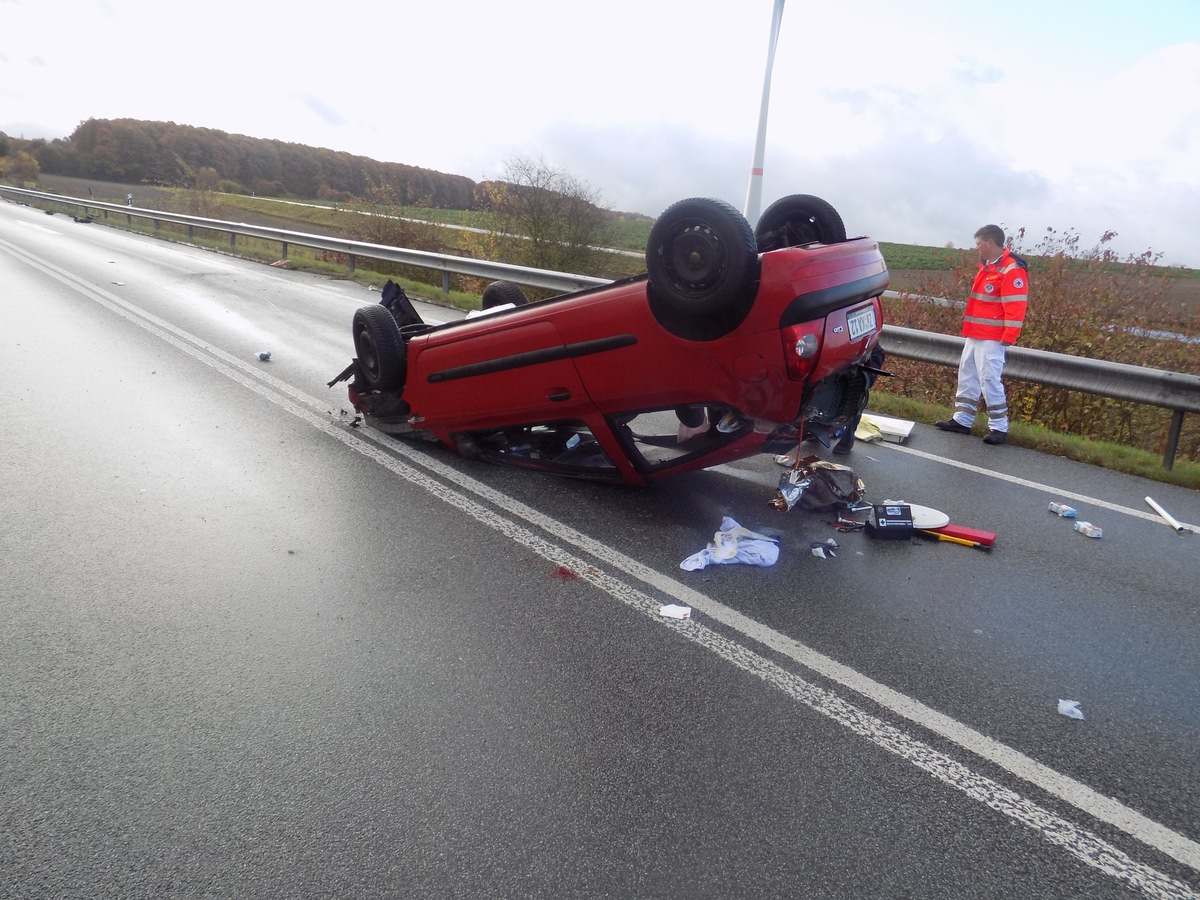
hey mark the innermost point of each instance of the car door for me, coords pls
(494, 374)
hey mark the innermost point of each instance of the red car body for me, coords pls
(616, 383)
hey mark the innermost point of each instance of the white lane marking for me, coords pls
(746, 474)
(1088, 847)
(1036, 485)
(53, 231)
(1013, 761)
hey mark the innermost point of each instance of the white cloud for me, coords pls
(900, 114)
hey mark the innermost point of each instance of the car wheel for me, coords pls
(798, 219)
(380, 349)
(702, 259)
(499, 293)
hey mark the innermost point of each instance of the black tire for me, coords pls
(702, 258)
(382, 358)
(499, 293)
(798, 219)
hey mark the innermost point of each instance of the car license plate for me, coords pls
(860, 322)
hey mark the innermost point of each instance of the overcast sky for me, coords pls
(919, 120)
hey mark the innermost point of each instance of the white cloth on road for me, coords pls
(735, 544)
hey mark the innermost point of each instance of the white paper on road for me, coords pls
(1070, 709)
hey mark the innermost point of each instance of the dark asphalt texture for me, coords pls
(242, 660)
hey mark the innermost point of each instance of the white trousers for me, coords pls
(979, 372)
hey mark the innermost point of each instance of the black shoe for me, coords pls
(843, 447)
(996, 437)
(951, 425)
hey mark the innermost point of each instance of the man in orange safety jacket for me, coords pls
(992, 322)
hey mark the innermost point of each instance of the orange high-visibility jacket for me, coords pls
(996, 307)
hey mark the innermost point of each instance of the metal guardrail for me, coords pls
(1154, 387)
(445, 263)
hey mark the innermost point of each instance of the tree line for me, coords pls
(171, 155)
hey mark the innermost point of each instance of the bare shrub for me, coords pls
(544, 218)
(384, 222)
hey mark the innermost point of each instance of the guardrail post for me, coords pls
(232, 239)
(156, 224)
(445, 282)
(350, 262)
(1173, 439)
(283, 246)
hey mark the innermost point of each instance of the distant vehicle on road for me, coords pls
(736, 341)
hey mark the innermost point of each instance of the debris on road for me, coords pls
(1179, 527)
(894, 431)
(846, 524)
(938, 536)
(824, 549)
(966, 533)
(890, 521)
(1070, 709)
(735, 544)
(672, 611)
(816, 484)
(1087, 529)
(263, 355)
(1061, 509)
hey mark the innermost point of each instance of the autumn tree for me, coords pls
(20, 167)
(543, 217)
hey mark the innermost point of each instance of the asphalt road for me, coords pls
(250, 651)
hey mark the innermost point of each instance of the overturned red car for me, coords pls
(736, 341)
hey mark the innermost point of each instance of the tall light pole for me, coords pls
(754, 191)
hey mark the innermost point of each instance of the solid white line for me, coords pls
(38, 227)
(1036, 485)
(1086, 846)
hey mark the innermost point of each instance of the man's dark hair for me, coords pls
(993, 233)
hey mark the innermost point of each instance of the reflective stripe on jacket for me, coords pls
(996, 307)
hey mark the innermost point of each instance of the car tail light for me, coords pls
(801, 346)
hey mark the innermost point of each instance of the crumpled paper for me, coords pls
(734, 544)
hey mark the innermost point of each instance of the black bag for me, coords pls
(890, 521)
(816, 484)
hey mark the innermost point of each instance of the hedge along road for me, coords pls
(871, 618)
